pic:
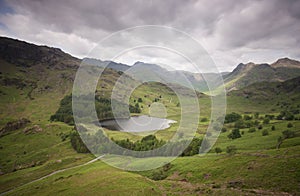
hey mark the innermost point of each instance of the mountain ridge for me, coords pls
(243, 75)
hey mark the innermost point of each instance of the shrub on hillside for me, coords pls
(218, 150)
(235, 133)
(288, 134)
(204, 119)
(247, 117)
(77, 143)
(266, 121)
(289, 125)
(140, 100)
(251, 130)
(231, 149)
(265, 132)
(273, 128)
(232, 117)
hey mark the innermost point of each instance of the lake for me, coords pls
(138, 124)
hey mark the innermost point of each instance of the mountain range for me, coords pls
(40, 153)
(243, 75)
(43, 57)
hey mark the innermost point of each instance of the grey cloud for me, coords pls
(230, 28)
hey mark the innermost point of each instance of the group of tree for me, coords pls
(147, 145)
(229, 150)
(85, 108)
(285, 115)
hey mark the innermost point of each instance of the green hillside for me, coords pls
(257, 152)
(246, 74)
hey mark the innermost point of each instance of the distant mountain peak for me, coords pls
(138, 62)
(286, 62)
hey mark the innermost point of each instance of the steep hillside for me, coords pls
(33, 79)
(270, 90)
(246, 74)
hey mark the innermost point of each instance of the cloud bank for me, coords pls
(231, 31)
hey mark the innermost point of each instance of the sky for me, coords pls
(231, 31)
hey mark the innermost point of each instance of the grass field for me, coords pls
(256, 168)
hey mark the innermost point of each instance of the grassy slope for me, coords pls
(48, 152)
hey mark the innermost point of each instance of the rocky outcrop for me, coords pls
(32, 130)
(14, 125)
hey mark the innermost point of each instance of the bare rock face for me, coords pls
(14, 125)
(32, 130)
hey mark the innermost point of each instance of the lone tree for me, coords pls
(265, 132)
(232, 117)
(285, 135)
(231, 150)
(218, 150)
(289, 125)
(235, 133)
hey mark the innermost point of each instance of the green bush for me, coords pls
(266, 121)
(204, 119)
(158, 175)
(218, 150)
(252, 130)
(77, 143)
(273, 128)
(265, 132)
(289, 125)
(288, 134)
(235, 133)
(232, 117)
(231, 149)
(247, 117)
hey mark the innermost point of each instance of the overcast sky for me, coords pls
(231, 31)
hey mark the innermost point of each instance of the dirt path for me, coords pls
(51, 174)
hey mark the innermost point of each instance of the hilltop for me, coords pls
(246, 74)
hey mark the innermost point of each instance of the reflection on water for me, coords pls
(137, 124)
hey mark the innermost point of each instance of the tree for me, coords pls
(265, 132)
(266, 121)
(218, 150)
(231, 149)
(235, 133)
(252, 130)
(232, 117)
(285, 135)
(247, 117)
(140, 100)
(239, 124)
(288, 134)
(273, 128)
(77, 143)
(269, 116)
(256, 115)
(289, 125)
(204, 119)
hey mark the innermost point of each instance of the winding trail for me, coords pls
(53, 173)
